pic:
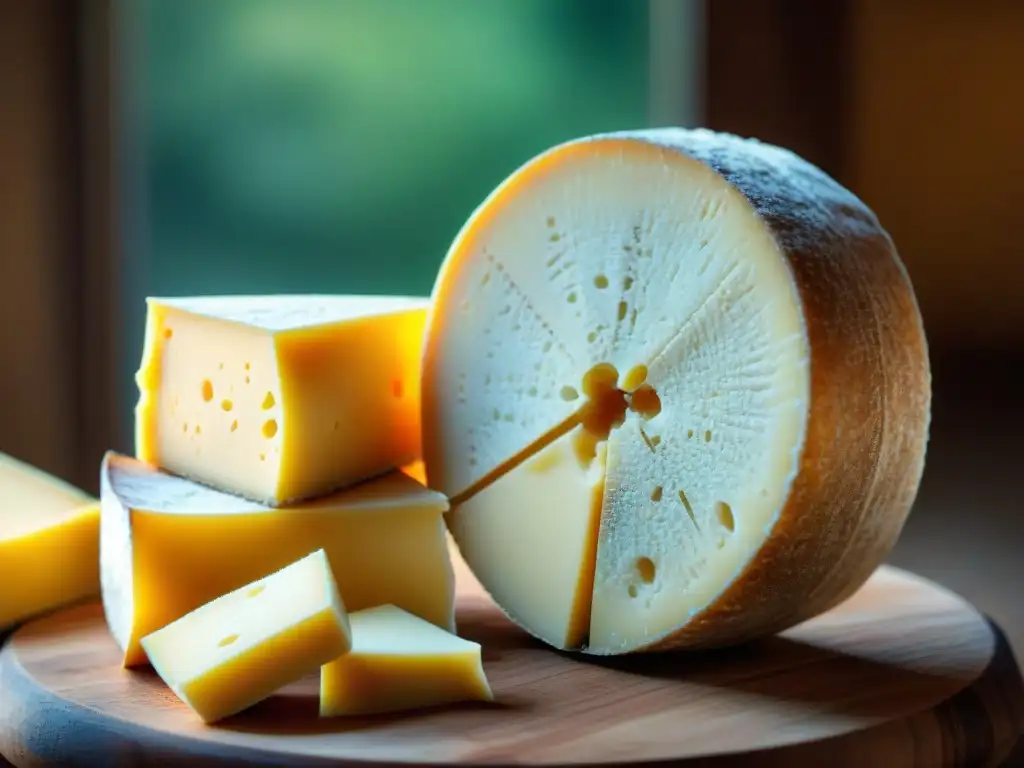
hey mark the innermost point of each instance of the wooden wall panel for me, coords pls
(54, 345)
(935, 120)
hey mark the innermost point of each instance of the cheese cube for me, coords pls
(49, 542)
(280, 398)
(737, 331)
(398, 662)
(240, 648)
(169, 545)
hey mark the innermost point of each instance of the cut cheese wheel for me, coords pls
(731, 334)
(280, 398)
(168, 546)
(49, 542)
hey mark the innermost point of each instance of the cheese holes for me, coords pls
(234, 425)
(634, 378)
(206, 390)
(227, 405)
(269, 428)
(168, 333)
(227, 641)
(645, 401)
(725, 516)
(258, 589)
(645, 569)
(268, 401)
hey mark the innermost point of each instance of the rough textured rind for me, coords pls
(867, 419)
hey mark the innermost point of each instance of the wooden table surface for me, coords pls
(967, 528)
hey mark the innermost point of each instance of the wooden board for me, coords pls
(904, 673)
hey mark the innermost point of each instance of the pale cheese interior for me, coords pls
(617, 253)
(280, 398)
(31, 500)
(169, 545)
(241, 647)
(399, 662)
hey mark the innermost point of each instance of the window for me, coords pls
(339, 146)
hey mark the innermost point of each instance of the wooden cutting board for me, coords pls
(903, 674)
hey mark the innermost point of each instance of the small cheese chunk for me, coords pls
(739, 333)
(280, 398)
(49, 542)
(240, 648)
(169, 545)
(399, 662)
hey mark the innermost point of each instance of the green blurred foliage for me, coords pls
(338, 145)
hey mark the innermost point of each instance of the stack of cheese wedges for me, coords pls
(265, 529)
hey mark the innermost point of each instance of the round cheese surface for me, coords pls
(677, 388)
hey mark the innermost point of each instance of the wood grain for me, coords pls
(903, 673)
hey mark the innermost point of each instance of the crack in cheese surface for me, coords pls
(762, 397)
(280, 398)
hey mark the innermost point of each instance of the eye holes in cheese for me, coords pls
(669, 331)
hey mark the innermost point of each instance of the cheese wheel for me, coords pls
(717, 336)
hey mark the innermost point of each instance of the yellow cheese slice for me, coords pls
(169, 545)
(736, 329)
(280, 398)
(400, 662)
(240, 648)
(49, 542)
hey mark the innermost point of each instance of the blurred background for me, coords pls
(182, 146)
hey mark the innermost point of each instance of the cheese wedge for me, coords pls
(240, 648)
(738, 332)
(400, 662)
(49, 542)
(552, 585)
(168, 546)
(280, 398)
